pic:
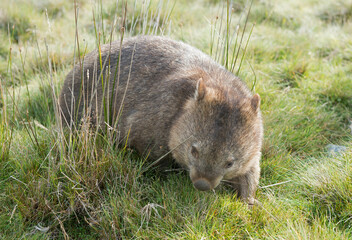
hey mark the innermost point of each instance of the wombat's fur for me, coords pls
(172, 98)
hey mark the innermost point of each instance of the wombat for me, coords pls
(165, 96)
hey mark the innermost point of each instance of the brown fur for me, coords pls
(173, 97)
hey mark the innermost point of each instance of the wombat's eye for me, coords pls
(229, 164)
(194, 152)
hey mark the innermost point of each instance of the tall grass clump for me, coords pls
(62, 176)
(55, 192)
(228, 43)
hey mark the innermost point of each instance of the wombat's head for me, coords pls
(218, 136)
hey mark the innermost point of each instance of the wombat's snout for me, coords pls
(202, 184)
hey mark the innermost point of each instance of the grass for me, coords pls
(326, 184)
(79, 185)
(339, 12)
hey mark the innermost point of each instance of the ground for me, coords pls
(296, 54)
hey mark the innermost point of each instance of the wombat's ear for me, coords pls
(200, 89)
(255, 102)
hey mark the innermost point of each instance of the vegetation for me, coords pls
(80, 185)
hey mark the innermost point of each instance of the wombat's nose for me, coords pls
(202, 184)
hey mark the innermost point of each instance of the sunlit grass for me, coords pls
(60, 184)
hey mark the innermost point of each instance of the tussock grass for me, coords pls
(56, 183)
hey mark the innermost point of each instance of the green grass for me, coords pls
(339, 12)
(79, 185)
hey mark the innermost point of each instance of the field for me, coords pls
(296, 54)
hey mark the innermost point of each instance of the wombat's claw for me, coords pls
(253, 202)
